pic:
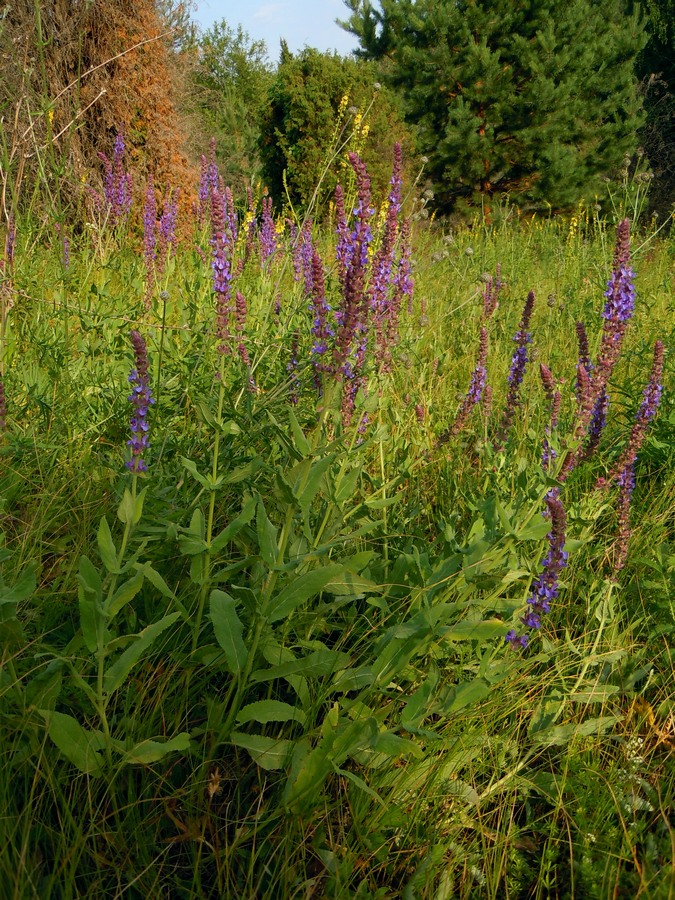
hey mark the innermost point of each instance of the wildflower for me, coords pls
(221, 270)
(491, 293)
(150, 233)
(475, 392)
(545, 588)
(618, 310)
(267, 236)
(167, 229)
(322, 330)
(141, 398)
(626, 482)
(519, 361)
(116, 183)
(650, 400)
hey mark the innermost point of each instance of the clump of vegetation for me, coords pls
(335, 557)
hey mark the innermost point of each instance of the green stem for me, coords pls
(212, 506)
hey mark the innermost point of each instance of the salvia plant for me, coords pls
(311, 581)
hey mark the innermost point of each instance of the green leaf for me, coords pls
(301, 442)
(467, 693)
(106, 547)
(118, 671)
(307, 485)
(152, 751)
(264, 711)
(535, 530)
(475, 631)
(346, 488)
(79, 746)
(241, 473)
(562, 734)
(315, 665)
(228, 630)
(23, 587)
(124, 593)
(89, 600)
(192, 469)
(244, 517)
(267, 537)
(130, 510)
(302, 588)
(267, 752)
(347, 583)
(157, 581)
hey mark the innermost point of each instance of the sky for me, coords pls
(301, 22)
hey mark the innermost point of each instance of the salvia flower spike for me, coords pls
(545, 588)
(141, 399)
(650, 402)
(516, 373)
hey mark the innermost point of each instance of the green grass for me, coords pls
(400, 749)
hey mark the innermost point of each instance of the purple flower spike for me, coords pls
(626, 482)
(650, 402)
(516, 373)
(141, 399)
(545, 588)
(554, 398)
(474, 394)
(617, 313)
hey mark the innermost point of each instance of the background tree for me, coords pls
(231, 83)
(316, 102)
(533, 99)
(657, 69)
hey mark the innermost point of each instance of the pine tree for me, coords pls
(536, 99)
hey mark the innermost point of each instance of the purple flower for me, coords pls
(222, 274)
(618, 310)
(267, 236)
(545, 588)
(141, 399)
(491, 294)
(516, 372)
(116, 183)
(626, 482)
(150, 231)
(475, 392)
(650, 401)
(553, 398)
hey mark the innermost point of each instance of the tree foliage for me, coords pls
(231, 83)
(533, 98)
(657, 69)
(320, 103)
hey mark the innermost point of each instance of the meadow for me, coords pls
(337, 559)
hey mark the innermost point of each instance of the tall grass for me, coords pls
(274, 664)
